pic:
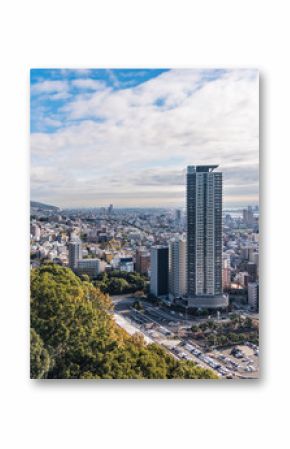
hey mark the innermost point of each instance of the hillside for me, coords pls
(43, 206)
(74, 336)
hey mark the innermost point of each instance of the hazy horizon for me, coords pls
(116, 207)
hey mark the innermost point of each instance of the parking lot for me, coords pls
(170, 330)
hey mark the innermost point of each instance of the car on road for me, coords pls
(189, 347)
(196, 352)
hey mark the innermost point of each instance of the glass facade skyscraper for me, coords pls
(159, 270)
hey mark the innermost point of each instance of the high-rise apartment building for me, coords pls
(253, 295)
(226, 277)
(177, 268)
(252, 270)
(177, 216)
(248, 216)
(159, 270)
(91, 267)
(204, 237)
(74, 254)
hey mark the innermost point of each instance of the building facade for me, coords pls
(226, 277)
(142, 261)
(204, 237)
(177, 268)
(35, 231)
(243, 279)
(253, 295)
(159, 271)
(74, 254)
(91, 267)
(252, 270)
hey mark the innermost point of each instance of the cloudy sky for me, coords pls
(126, 136)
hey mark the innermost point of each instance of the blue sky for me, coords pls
(49, 104)
(125, 136)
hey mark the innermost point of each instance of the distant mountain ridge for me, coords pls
(38, 205)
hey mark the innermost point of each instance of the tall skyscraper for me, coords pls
(253, 295)
(177, 216)
(74, 254)
(159, 270)
(248, 216)
(177, 268)
(252, 270)
(204, 237)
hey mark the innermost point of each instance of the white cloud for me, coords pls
(87, 83)
(48, 87)
(47, 121)
(140, 148)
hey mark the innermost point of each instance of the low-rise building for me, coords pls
(91, 267)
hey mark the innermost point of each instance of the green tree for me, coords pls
(118, 286)
(40, 361)
(138, 305)
(248, 322)
(75, 336)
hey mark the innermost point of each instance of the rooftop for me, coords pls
(200, 168)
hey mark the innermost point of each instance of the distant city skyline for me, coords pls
(126, 136)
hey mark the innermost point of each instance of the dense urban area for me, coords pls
(113, 252)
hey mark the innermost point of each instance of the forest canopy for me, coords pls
(74, 336)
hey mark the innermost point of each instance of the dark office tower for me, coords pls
(159, 283)
(204, 237)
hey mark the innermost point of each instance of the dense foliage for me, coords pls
(120, 282)
(237, 330)
(74, 336)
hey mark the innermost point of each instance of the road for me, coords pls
(170, 331)
(153, 323)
